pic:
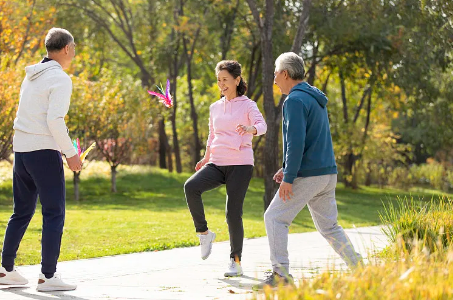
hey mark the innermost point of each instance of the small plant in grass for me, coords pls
(427, 223)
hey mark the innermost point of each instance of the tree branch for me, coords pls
(326, 82)
(255, 147)
(304, 16)
(343, 98)
(359, 107)
(255, 13)
(120, 24)
(367, 121)
(27, 32)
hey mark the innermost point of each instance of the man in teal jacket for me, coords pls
(309, 173)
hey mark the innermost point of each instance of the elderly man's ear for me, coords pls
(285, 74)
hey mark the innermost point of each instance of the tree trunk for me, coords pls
(273, 113)
(254, 70)
(174, 68)
(271, 164)
(349, 171)
(162, 144)
(368, 178)
(113, 179)
(176, 149)
(225, 41)
(302, 27)
(312, 70)
(76, 181)
(193, 112)
(169, 156)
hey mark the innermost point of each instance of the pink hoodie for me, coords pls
(227, 146)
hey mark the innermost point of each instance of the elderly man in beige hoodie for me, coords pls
(40, 137)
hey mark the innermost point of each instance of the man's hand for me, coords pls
(74, 163)
(286, 191)
(201, 163)
(278, 177)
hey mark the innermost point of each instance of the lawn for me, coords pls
(149, 212)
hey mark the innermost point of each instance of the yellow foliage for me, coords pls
(10, 81)
(19, 35)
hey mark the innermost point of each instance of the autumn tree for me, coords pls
(113, 120)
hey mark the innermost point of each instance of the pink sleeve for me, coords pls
(211, 130)
(256, 119)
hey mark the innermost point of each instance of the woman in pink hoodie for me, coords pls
(233, 122)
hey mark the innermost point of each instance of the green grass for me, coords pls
(149, 213)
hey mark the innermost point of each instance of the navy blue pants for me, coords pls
(37, 173)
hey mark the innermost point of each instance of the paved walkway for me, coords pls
(181, 274)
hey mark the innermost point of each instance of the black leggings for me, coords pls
(237, 179)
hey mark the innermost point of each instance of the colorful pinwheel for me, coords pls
(164, 97)
(81, 153)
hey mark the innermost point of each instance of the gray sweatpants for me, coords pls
(318, 192)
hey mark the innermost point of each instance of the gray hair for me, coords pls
(57, 39)
(292, 63)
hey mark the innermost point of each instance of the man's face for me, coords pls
(279, 78)
(68, 54)
(71, 52)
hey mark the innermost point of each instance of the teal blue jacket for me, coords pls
(307, 142)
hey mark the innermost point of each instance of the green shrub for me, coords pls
(434, 174)
(400, 177)
(427, 223)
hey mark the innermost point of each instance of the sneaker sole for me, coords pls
(13, 283)
(210, 248)
(55, 289)
(233, 275)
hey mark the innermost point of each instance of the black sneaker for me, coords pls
(274, 279)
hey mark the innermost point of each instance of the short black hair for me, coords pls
(57, 39)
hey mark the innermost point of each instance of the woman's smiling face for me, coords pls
(227, 84)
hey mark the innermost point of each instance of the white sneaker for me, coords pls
(53, 284)
(234, 269)
(11, 278)
(206, 241)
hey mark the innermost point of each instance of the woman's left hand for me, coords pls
(242, 129)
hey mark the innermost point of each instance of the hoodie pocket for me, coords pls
(237, 142)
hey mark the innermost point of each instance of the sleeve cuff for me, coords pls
(288, 179)
(260, 129)
(69, 152)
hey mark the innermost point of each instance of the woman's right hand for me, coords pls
(278, 177)
(201, 163)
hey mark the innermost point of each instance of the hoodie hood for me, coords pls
(34, 71)
(312, 91)
(229, 102)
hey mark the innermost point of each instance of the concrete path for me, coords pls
(181, 274)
